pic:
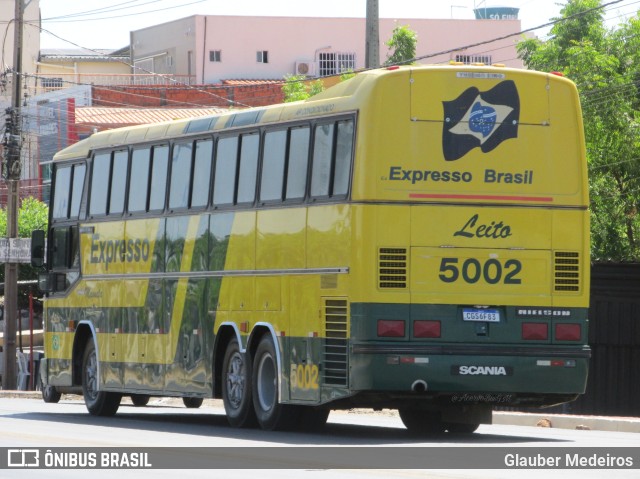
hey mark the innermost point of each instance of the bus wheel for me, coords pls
(192, 403)
(460, 428)
(236, 387)
(422, 422)
(99, 403)
(50, 394)
(270, 413)
(140, 400)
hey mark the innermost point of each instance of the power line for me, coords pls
(126, 15)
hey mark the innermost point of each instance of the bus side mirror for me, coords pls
(37, 248)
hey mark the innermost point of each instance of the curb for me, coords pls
(557, 421)
(566, 421)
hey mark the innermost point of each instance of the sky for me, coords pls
(105, 24)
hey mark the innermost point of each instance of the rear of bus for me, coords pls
(472, 286)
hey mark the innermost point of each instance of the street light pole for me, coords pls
(372, 45)
(12, 144)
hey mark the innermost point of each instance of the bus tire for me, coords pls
(50, 394)
(236, 386)
(192, 403)
(422, 422)
(140, 400)
(98, 403)
(271, 414)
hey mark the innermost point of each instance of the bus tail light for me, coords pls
(568, 332)
(535, 331)
(426, 329)
(391, 328)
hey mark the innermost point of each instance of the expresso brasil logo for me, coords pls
(480, 119)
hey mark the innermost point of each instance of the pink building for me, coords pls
(215, 48)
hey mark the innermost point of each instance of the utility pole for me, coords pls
(372, 46)
(12, 145)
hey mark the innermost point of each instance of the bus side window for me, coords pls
(61, 250)
(225, 175)
(119, 175)
(100, 184)
(273, 164)
(180, 175)
(249, 149)
(159, 178)
(322, 156)
(202, 173)
(139, 184)
(61, 192)
(298, 163)
(76, 189)
(344, 151)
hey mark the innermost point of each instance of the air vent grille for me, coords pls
(566, 272)
(335, 361)
(392, 268)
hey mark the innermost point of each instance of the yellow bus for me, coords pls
(415, 238)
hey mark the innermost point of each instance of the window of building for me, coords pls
(262, 56)
(335, 63)
(215, 55)
(469, 59)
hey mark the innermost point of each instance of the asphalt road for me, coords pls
(30, 423)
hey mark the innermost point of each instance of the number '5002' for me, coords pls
(304, 376)
(471, 271)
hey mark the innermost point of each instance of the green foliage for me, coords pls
(32, 215)
(347, 75)
(296, 89)
(605, 64)
(403, 41)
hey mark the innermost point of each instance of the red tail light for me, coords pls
(391, 328)
(535, 331)
(426, 329)
(568, 332)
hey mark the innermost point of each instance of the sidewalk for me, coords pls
(560, 421)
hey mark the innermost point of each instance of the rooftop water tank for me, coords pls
(496, 13)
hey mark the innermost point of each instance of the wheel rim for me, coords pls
(266, 383)
(91, 376)
(236, 380)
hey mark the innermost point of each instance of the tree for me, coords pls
(296, 89)
(403, 41)
(605, 65)
(32, 215)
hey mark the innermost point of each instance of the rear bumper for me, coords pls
(453, 369)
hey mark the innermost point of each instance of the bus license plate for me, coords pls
(485, 315)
